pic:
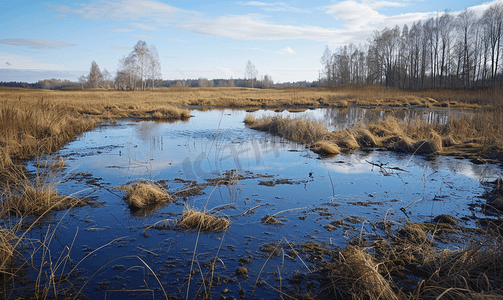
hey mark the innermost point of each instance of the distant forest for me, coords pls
(446, 51)
(57, 84)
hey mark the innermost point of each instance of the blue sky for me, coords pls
(60, 39)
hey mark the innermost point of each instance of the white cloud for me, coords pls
(286, 50)
(34, 43)
(378, 4)
(144, 36)
(24, 62)
(254, 28)
(276, 6)
(121, 30)
(356, 15)
(225, 72)
(249, 48)
(122, 9)
(365, 17)
(122, 47)
(144, 26)
(178, 40)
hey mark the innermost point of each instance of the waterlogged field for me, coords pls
(284, 202)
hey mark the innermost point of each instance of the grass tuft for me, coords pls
(37, 201)
(140, 195)
(170, 113)
(326, 148)
(193, 219)
(354, 275)
(298, 130)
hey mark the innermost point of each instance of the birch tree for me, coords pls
(95, 77)
(250, 72)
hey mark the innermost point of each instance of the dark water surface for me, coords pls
(314, 192)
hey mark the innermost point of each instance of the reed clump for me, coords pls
(170, 113)
(416, 136)
(298, 130)
(140, 195)
(326, 148)
(408, 264)
(472, 273)
(200, 220)
(37, 200)
(354, 274)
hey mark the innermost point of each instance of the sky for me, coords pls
(209, 39)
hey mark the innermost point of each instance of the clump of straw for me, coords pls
(139, 194)
(170, 112)
(354, 275)
(37, 201)
(194, 219)
(325, 148)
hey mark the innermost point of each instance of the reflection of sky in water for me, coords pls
(213, 142)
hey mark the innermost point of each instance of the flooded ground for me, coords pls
(212, 162)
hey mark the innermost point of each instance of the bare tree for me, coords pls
(231, 82)
(141, 52)
(267, 81)
(107, 79)
(326, 62)
(154, 67)
(83, 80)
(492, 21)
(95, 77)
(250, 72)
(465, 26)
(127, 72)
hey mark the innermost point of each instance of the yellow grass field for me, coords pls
(41, 121)
(37, 122)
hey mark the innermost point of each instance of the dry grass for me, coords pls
(40, 121)
(472, 273)
(140, 195)
(298, 130)
(325, 148)
(37, 200)
(198, 220)
(390, 133)
(170, 113)
(354, 275)
(407, 264)
(7, 239)
(478, 134)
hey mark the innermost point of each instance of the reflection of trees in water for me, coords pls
(340, 118)
(144, 129)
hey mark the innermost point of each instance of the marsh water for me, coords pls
(114, 249)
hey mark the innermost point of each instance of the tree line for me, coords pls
(139, 70)
(445, 51)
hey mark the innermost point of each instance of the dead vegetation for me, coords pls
(419, 136)
(7, 250)
(37, 198)
(354, 275)
(40, 121)
(200, 220)
(141, 195)
(298, 130)
(407, 264)
(34, 122)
